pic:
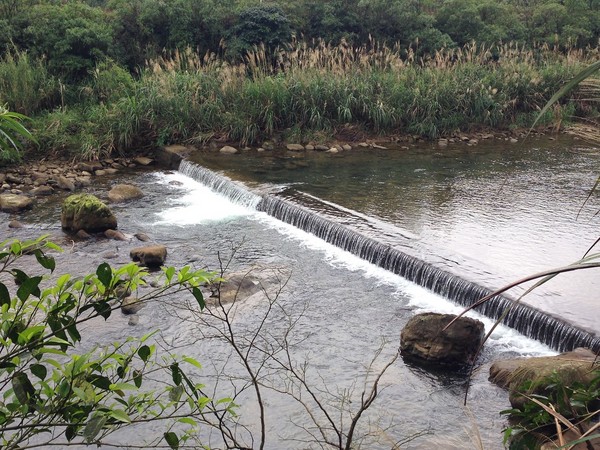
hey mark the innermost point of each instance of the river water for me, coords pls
(495, 212)
(346, 309)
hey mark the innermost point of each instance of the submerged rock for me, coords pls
(424, 338)
(229, 150)
(86, 212)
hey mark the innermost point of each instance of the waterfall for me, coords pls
(236, 193)
(355, 235)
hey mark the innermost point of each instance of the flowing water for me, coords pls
(345, 306)
(489, 214)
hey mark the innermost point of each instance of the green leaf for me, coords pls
(31, 334)
(120, 415)
(47, 262)
(176, 393)
(172, 440)
(22, 387)
(144, 352)
(28, 287)
(122, 387)
(137, 378)
(39, 371)
(188, 420)
(199, 297)
(71, 432)
(104, 273)
(176, 374)
(4, 295)
(93, 426)
(100, 381)
(102, 308)
(192, 361)
(169, 274)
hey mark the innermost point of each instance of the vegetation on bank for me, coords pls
(304, 93)
(106, 76)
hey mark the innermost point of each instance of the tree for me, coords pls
(72, 37)
(54, 392)
(267, 25)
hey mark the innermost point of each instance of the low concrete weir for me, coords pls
(389, 248)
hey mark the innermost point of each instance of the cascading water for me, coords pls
(353, 233)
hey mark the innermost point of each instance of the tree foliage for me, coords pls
(58, 390)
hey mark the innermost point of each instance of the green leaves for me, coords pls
(11, 131)
(172, 440)
(92, 393)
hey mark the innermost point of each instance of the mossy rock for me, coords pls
(86, 212)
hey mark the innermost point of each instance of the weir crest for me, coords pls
(353, 233)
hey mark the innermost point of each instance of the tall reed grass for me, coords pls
(315, 90)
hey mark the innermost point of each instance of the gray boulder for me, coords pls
(424, 338)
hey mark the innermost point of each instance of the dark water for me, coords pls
(496, 212)
(345, 308)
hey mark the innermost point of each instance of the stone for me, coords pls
(15, 202)
(110, 171)
(309, 147)
(473, 142)
(260, 149)
(131, 305)
(512, 374)
(142, 237)
(513, 140)
(42, 190)
(15, 224)
(380, 147)
(423, 339)
(443, 143)
(83, 181)
(321, 147)
(346, 147)
(149, 256)
(100, 172)
(295, 147)
(65, 183)
(86, 212)
(83, 235)
(2, 178)
(13, 178)
(228, 150)
(143, 160)
(124, 192)
(333, 150)
(363, 144)
(134, 319)
(115, 235)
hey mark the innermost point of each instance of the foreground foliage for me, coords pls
(56, 387)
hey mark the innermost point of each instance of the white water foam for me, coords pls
(503, 338)
(195, 203)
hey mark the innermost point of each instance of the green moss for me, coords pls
(86, 212)
(88, 202)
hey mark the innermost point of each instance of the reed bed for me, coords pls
(313, 90)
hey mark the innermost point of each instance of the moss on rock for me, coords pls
(86, 212)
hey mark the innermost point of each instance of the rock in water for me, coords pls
(124, 192)
(423, 339)
(149, 256)
(86, 212)
(15, 202)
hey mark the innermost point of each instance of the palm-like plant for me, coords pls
(12, 132)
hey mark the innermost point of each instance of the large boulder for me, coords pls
(15, 202)
(513, 374)
(424, 339)
(86, 212)
(124, 192)
(149, 256)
